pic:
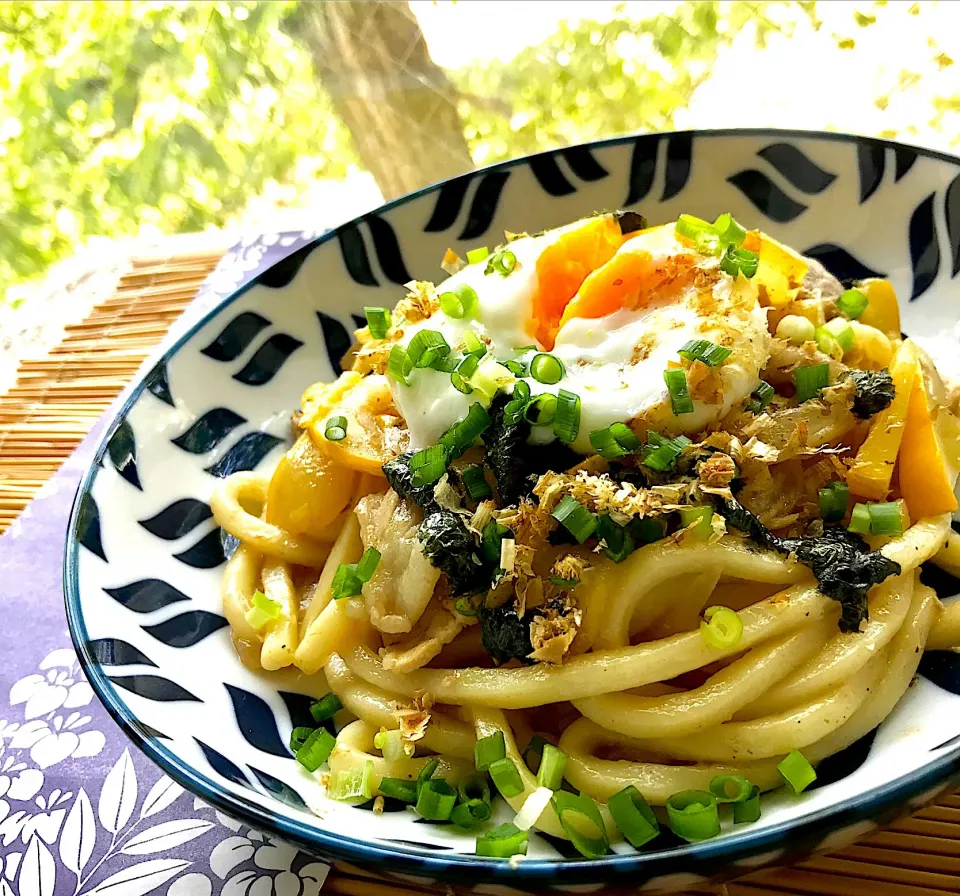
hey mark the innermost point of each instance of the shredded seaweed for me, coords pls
(400, 478)
(630, 222)
(842, 562)
(450, 546)
(874, 392)
(505, 635)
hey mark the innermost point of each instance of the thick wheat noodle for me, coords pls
(226, 502)
(280, 635)
(946, 631)
(601, 778)
(843, 655)
(489, 721)
(376, 707)
(713, 702)
(902, 659)
(355, 748)
(241, 579)
(612, 597)
(948, 557)
(779, 734)
(347, 548)
(684, 613)
(601, 672)
(335, 629)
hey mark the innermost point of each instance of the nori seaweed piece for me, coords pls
(875, 391)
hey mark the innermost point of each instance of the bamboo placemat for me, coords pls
(59, 396)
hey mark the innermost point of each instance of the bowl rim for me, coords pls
(410, 859)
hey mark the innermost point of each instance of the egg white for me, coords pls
(615, 381)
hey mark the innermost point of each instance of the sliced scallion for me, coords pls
(760, 398)
(693, 815)
(463, 433)
(697, 520)
(546, 368)
(749, 810)
(353, 783)
(435, 800)
(552, 766)
(473, 344)
(730, 789)
(809, 381)
(739, 261)
(475, 482)
(566, 425)
(542, 410)
(466, 367)
(488, 750)
(427, 348)
(316, 749)
(506, 777)
(490, 538)
(399, 365)
(704, 350)
(680, 399)
(633, 816)
(833, 501)
(477, 255)
(618, 543)
(721, 627)
(428, 465)
(503, 841)
(582, 823)
(399, 789)
(471, 813)
(575, 518)
(336, 428)
(797, 771)
(325, 708)
(729, 230)
(457, 303)
(852, 303)
(661, 454)
(378, 321)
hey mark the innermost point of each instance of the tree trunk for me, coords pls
(397, 103)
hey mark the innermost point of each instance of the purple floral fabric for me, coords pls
(82, 812)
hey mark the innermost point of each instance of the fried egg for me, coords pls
(615, 309)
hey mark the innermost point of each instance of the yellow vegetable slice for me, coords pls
(375, 431)
(870, 475)
(308, 490)
(883, 310)
(927, 474)
(780, 271)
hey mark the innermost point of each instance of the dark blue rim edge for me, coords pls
(410, 860)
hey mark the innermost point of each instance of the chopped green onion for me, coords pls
(730, 789)
(475, 482)
(532, 808)
(633, 816)
(810, 380)
(316, 749)
(697, 520)
(693, 815)
(839, 328)
(646, 530)
(325, 708)
(661, 454)
(378, 321)
(721, 627)
(796, 771)
(427, 348)
(833, 501)
(490, 538)
(463, 433)
(352, 784)
(262, 611)
(476, 255)
(488, 750)
(739, 261)
(582, 823)
(566, 425)
(470, 813)
(860, 519)
(887, 518)
(368, 564)
(575, 518)
(336, 428)
(466, 368)
(828, 344)
(502, 842)
(680, 399)
(475, 788)
(761, 397)
(542, 411)
(796, 329)
(490, 378)
(617, 541)
(521, 390)
(852, 303)
(346, 582)
(534, 749)
(503, 262)
(457, 303)
(399, 365)
(561, 582)
(552, 766)
(426, 773)
(615, 441)
(708, 244)
(428, 465)
(473, 344)
(709, 353)
(298, 737)
(749, 810)
(729, 230)
(517, 368)
(506, 777)
(546, 368)
(878, 519)
(399, 789)
(435, 800)
(693, 228)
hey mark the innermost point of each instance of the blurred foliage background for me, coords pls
(127, 119)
